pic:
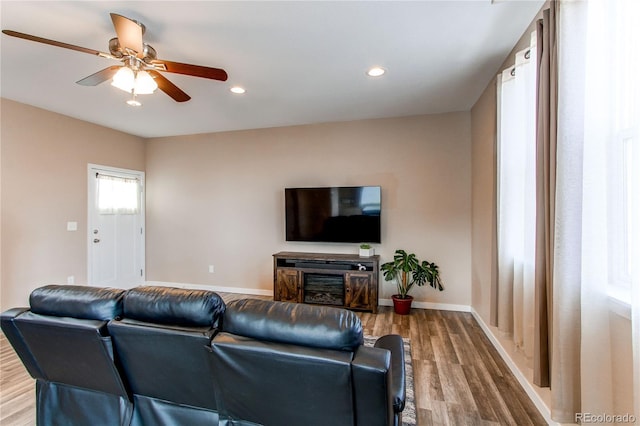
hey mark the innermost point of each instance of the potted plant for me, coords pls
(366, 250)
(406, 270)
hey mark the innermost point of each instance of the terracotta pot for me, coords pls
(402, 306)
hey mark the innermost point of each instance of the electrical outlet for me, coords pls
(71, 280)
(211, 269)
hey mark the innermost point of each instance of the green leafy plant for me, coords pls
(365, 246)
(407, 270)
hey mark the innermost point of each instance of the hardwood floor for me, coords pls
(17, 389)
(459, 377)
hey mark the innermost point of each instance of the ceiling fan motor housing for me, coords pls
(149, 53)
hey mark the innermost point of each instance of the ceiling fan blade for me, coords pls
(99, 77)
(168, 87)
(129, 34)
(54, 43)
(194, 70)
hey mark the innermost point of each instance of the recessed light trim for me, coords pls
(376, 71)
(238, 90)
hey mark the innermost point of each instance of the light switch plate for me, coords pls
(72, 226)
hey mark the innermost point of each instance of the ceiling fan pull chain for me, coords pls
(133, 101)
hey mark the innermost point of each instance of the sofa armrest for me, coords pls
(14, 337)
(371, 370)
(395, 345)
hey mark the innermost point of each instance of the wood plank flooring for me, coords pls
(17, 389)
(459, 377)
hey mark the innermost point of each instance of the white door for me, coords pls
(116, 227)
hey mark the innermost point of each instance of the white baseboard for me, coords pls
(257, 292)
(430, 305)
(527, 385)
(252, 291)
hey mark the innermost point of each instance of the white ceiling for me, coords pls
(301, 62)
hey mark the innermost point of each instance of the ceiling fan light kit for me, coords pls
(137, 82)
(140, 72)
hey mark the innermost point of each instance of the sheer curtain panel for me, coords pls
(516, 198)
(610, 200)
(596, 264)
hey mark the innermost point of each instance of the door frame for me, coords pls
(91, 171)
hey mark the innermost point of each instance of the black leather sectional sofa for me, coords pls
(166, 356)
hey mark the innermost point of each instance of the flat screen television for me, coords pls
(346, 214)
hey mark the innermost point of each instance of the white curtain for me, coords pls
(117, 195)
(610, 193)
(516, 198)
(598, 213)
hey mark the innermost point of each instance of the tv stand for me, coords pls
(342, 280)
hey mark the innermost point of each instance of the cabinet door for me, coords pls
(360, 291)
(288, 285)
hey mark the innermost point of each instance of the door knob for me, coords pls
(96, 240)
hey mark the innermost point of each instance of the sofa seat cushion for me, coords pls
(76, 301)
(294, 323)
(153, 411)
(60, 404)
(173, 306)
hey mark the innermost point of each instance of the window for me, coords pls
(612, 93)
(117, 195)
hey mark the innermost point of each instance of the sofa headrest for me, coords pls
(306, 325)
(82, 302)
(174, 306)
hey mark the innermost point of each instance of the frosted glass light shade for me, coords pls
(124, 79)
(145, 84)
(140, 83)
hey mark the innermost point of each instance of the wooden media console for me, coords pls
(341, 280)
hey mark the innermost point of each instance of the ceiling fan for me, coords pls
(140, 70)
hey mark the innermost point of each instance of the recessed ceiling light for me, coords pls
(376, 71)
(238, 90)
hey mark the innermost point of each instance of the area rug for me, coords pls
(409, 412)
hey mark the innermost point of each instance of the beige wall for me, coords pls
(44, 185)
(483, 232)
(218, 199)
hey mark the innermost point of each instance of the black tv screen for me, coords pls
(348, 214)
